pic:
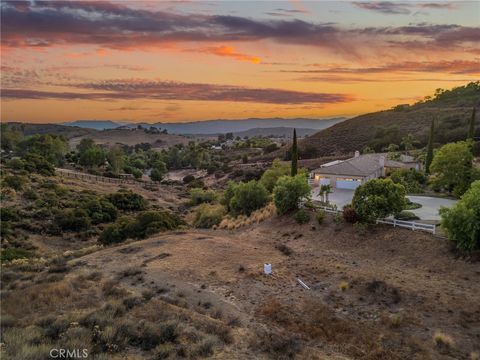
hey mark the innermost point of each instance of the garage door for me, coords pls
(348, 184)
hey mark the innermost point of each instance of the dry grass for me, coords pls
(231, 223)
(443, 340)
(344, 286)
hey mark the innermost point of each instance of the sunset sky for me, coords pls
(143, 61)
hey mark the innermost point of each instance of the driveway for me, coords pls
(339, 197)
(430, 206)
(428, 211)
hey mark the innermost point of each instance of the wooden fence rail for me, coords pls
(103, 179)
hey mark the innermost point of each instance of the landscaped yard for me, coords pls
(428, 211)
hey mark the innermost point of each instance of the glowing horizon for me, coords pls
(143, 61)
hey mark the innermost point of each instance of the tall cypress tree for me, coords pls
(429, 158)
(294, 153)
(471, 127)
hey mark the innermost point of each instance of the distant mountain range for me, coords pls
(286, 132)
(210, 127)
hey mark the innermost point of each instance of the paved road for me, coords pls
(428, 211)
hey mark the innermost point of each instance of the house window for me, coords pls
(348, 179)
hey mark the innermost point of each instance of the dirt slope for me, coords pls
(399, 287)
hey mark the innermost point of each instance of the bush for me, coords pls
(206, 215)
(409, 205)
(248, 197)
(16, 182)
(101, 211)
(289, 191)
(406, 215)
(462, 221)
(271, 176)
(411, 179)
(188, 179)
(9, 214)
(452, 167)
(302, 216)
(127, 200)
(320, 216)
(144, 224)
(38, 164)
(13, 254)
(350, 215)
(156, 175)
(30, 194)
(377, 199)
(73, 220)
(200, 196)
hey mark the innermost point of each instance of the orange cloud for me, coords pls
(229, 51)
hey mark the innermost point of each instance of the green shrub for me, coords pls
(151, 222)
(206, 215)
(451, 167)
(270, 177)
(9, 214)
(289, 191)
(118, 232)
(144, 224)
(338, 219)
(38, 164)
(248, 197)
(196, 183)
(127, 200)
(30, 194)
(101, 211)
(188, 179)
(16, 182)
(411, 205)
(14, 253)
(377, 199)
(411, 179)
(72, 219)
(462, 221)
(302, 216)
(320, 216)
(16, 164)
(406, 215)
(199, 196)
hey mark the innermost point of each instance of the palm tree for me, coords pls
(407, 142)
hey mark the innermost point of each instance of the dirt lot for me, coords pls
(380, 295)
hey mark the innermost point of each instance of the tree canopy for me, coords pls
(462, 221)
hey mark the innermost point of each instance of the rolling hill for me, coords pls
(210, 127)
(451, 110)
(286, 132)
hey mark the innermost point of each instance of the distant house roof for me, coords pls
(362, 165)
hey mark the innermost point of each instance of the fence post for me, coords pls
(394, 222)
(434, 228)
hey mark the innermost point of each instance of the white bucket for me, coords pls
(267, 268)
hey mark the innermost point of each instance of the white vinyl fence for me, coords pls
(412, 225)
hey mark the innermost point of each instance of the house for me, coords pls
(351, 173)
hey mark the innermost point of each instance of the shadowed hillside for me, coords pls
(450, 108)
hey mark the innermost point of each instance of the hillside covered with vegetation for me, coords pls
(451, 110)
